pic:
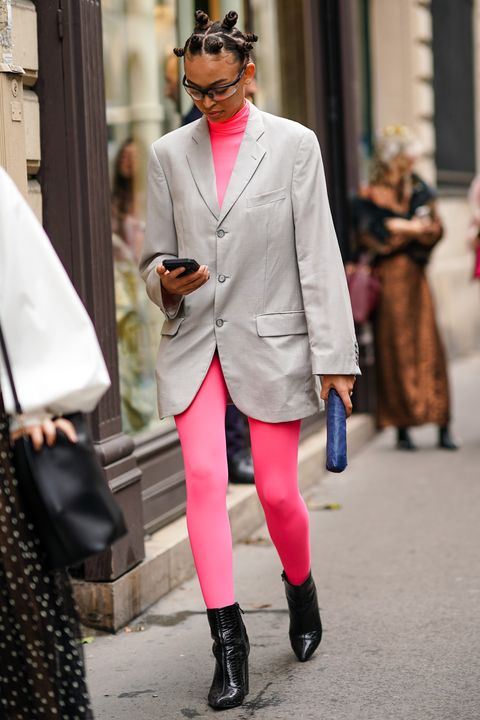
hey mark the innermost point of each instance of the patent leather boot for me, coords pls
(305, 624)
(231, 649)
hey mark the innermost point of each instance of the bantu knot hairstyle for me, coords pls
(213, 37)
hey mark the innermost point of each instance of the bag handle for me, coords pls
(18, 407)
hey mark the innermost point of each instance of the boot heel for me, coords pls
(246, 677)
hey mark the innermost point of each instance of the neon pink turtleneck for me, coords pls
(226, 139)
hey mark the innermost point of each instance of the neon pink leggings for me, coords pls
(275, 456)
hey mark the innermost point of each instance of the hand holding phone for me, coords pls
(182, 276)
(190, 266)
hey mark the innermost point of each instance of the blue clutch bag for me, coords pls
(336, 433)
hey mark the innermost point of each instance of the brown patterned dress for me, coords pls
(412, 381)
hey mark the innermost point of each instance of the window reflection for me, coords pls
(141, 84)
(135, 351)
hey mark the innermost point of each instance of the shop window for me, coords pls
(364, 78)
(454, 91)
(143, 103)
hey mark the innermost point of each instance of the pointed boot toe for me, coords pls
(226, 699)
(305, 645)
(230, 649)
(305, 624)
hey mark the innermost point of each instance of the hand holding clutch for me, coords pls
(336, 433)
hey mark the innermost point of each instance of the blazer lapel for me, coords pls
(249, 158)
(200, 161)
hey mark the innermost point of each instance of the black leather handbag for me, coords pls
(65, 492)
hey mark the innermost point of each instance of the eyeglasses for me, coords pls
(219, 93)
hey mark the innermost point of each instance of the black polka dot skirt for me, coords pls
(41, 664)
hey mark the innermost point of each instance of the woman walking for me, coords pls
(243, 192)
(398, 225)
(58, 368)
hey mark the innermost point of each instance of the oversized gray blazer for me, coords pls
(276, 306)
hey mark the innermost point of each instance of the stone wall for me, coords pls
(19, 108)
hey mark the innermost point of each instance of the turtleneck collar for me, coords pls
(236, 124)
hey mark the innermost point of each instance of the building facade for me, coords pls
(86, 86)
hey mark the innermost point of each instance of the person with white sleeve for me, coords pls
(58, 369)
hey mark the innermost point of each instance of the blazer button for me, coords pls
(221, 278)
(219, 323)
(220, 233)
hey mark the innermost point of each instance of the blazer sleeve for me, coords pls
(160, 237)
(56, 360)
(328, 311)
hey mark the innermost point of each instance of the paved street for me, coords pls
(397, 569)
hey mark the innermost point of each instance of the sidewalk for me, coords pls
(399, 585)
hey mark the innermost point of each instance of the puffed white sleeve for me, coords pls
(56, 360)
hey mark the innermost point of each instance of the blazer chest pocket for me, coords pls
(170, 327)
(267, 197)
(285, 323)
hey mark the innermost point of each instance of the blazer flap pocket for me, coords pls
(170, 327)
(285, 323)
(267, 197)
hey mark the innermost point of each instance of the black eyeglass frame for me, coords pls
(210, 92)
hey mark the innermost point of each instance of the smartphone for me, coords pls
(190, 265)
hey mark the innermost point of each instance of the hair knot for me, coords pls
(202, 21)
(230, 20)
(213, 44)
(195, 42)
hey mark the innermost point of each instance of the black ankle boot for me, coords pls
(231, 649)
(404, 440)
(305, 624)
(445, 439)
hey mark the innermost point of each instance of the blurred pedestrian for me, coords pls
(126, 222)
(136, 351)
(474, 227)
(244, 192)
(58, 368)
(398, 225)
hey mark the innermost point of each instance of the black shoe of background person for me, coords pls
(240, 468)
(404, 440)
(230, 649)
(305, 625)
(445, 439)
(240, 464)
